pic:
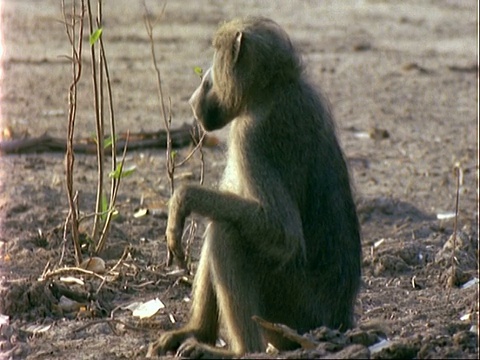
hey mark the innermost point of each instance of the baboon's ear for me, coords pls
(236, 46)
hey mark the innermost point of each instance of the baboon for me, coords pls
(284, 240)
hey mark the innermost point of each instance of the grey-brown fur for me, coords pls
(284, 239)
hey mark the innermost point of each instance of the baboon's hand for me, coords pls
(176, 221)
(174, 243)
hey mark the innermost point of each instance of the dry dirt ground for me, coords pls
(402, 78)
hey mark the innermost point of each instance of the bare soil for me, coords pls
(402, 78)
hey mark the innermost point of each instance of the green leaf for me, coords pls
(198, 70)
(119, 173)
(108, 141)
(95, 36)
(129, 171)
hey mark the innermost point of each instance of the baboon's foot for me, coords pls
(169, 341)
(193, 349)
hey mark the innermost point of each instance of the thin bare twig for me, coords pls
(170, 155)
(455, 225)
(170, 161)
(286, 332)
(65, 227)
(198, 146)
(109, 321)
(98, 127)
(68, 270)
(103, 236)
(111, 271)
(76, 47)
(114, 184)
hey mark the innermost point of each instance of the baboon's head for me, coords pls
(253, 57)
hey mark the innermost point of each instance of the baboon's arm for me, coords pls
(281, 239)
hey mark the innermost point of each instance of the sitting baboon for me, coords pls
(284, 241)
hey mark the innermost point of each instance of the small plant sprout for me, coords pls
(95, 36)
(199, 71)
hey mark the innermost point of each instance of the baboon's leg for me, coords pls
(236, 291)
(204, 316)
(203, 323)
(235, 280)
